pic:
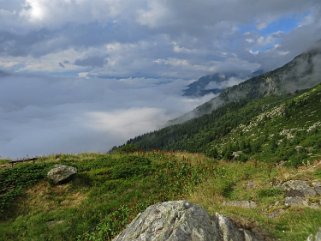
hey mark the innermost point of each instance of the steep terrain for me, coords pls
(302, 72)
(110, 190)
(271, 129)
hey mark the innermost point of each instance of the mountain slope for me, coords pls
(302, 72)
(274, 128)
(215, 83)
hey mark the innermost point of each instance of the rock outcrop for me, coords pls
(298, 188)
(183, 221)
(298, 193)
(61, 174)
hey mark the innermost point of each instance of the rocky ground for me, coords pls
(183, 221)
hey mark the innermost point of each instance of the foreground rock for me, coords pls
(61, 174)
(183, 221)
(316, 237)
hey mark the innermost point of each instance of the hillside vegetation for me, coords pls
(303, 72)
(272, 129)
(110, 190)
(107, 193)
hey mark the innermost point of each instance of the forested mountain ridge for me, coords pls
(273, 128)
(214, 83)
(302, 72)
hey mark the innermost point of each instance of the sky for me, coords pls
(86, 75)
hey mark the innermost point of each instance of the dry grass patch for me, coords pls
(46, 197)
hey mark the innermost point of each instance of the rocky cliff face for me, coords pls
(183, 221)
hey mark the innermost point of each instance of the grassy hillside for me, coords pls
(107, 193)
(110, 190)
(272, 129)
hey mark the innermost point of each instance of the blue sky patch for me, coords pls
(285, 24)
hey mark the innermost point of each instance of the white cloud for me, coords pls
(124, 124)
(135, 33)
(124, 56)
(225, 84)
(35, 10)
(58, 12)
(41, 115)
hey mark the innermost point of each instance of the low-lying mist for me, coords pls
(46, 115)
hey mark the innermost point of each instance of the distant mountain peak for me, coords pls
(216, 83)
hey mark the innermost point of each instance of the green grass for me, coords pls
(271, 129)
(3, 161)
(258, 182)
(13, 181)
(110, 190)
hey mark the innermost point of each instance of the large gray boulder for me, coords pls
(182, 221)
(61, 174)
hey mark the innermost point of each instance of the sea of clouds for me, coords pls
(43, 115)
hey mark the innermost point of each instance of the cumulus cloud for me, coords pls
(55, 13)
(203, 33)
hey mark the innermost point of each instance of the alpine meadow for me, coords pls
(160, 120)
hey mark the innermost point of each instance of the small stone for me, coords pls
(187, 205)
(241, 204)
(276, 213)
(250, 185)
(295, 202)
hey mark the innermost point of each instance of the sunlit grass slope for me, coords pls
(110, 190)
